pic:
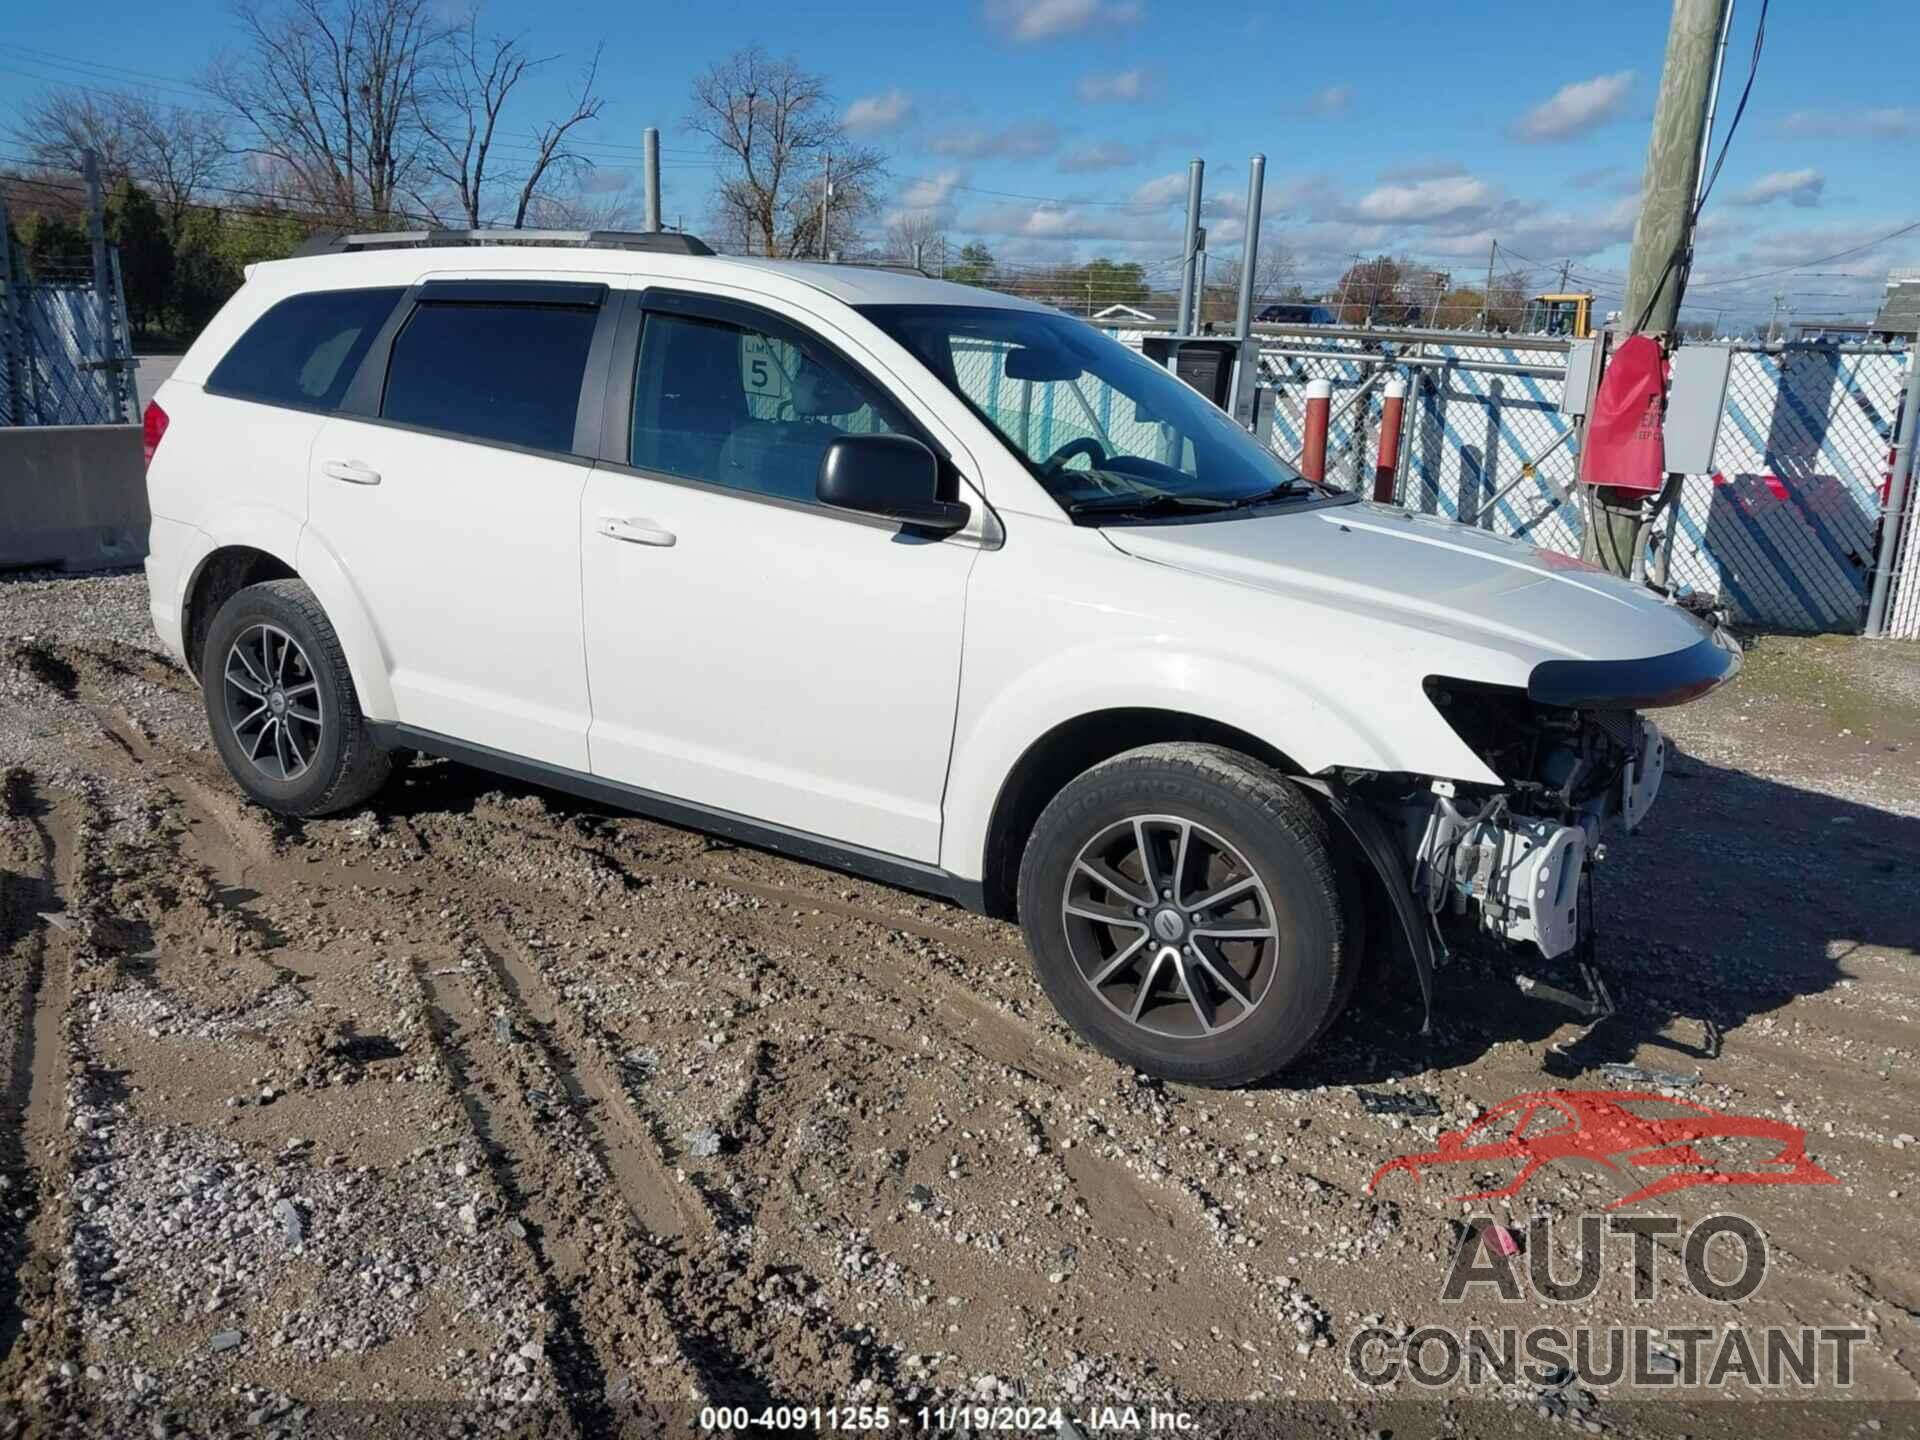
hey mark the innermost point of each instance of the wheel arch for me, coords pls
(1069, 749)
(221, 574)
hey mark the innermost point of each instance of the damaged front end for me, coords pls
(1510, 862)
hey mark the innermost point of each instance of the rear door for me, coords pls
(450, 497)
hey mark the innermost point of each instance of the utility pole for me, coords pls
(1486, 295)
(1662, 237)
(650, 143)
(1566, 269)
(826, 205)
(1773, 320)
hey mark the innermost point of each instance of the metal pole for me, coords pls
(1486, 296)
(1246, 369)
(102, 280)
(650, 144)
(11, 316)
(128, 377)
(826, 205)
(1893, 519)
(1196, 171)
(1250, 251)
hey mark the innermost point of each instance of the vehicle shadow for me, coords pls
(1738, 895)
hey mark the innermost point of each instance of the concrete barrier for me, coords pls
(72, 496)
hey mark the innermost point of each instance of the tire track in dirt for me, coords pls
(626, 1336)
(37, 1153)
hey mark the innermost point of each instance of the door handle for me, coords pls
(634, 531)
(351, 471)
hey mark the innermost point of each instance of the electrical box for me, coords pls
(1204, 362)
(1573, 395)
(1696, 399)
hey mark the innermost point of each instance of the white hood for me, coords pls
(1443, 575)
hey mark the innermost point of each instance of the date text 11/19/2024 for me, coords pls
(938, 1419)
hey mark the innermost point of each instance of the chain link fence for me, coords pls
(66, 349)
(1785, 530)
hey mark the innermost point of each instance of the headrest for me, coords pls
(819, 393)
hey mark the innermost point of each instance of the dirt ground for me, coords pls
(489, 1110)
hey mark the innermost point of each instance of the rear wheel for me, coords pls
(1185, 914)
(285, 716)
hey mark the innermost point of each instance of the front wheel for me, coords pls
(281, 702)
(1185, 914)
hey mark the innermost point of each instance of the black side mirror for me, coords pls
(891, 475)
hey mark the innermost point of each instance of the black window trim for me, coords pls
(364, 394)
(616, 429)
(226, 392)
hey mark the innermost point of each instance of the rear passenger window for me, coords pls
(507, 373)
(303, 351)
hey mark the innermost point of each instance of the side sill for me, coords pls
(796, 844)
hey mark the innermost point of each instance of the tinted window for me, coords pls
(745, 409)
(495, 372)
(304, 350)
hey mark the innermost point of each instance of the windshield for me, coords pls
(1108, 432)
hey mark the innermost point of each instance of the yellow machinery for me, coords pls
(1568, 315)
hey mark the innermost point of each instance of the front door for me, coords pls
(749, 650)
(455, 514)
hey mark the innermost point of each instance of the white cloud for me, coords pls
(1064, 223)
(1101, 155)
(876, 114)
(1163, 190)
(1124, 87)
(1892, 122)
(1796, 187)
(1024, 141)
(1576, 108)
(1329, 100)
(1026, 21)
(1425, 201)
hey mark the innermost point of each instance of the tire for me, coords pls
(1251, 837)
(339, 764)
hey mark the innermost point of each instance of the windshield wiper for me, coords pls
(1161, 504)
(1285, 490)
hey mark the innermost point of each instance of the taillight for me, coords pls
(153, 429)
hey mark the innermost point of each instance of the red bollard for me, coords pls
(1313, 453)
(1386, 469)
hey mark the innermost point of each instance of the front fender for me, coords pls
(1305, 721)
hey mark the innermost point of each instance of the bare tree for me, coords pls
(57, 127)
(177, 154)
(917, 234)
(170, 150)
(789, 163)
(328, 95)
(1275, 268)
(461, 111)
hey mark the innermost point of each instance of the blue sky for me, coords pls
(1053, 129)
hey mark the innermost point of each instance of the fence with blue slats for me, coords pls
(1785, 529)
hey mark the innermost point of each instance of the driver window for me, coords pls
(744, 408)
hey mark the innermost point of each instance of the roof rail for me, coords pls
(662, 242)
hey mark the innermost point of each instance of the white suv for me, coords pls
(934, 585)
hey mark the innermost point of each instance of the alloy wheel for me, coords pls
(273, 704)
(1170, 926)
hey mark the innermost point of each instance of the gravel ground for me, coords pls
(486, 1110)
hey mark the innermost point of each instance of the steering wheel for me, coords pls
(1084, 445)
